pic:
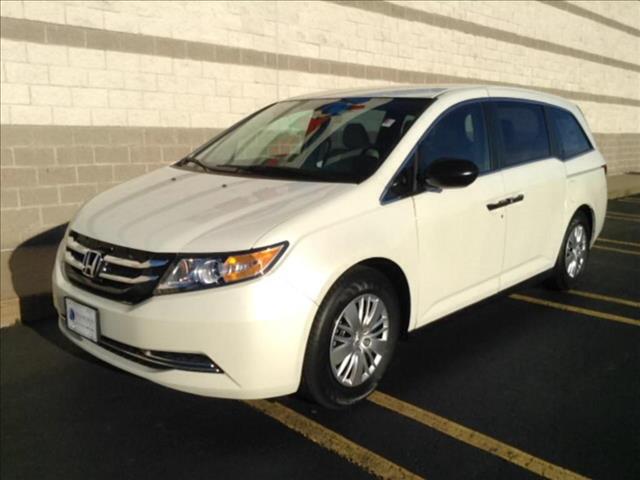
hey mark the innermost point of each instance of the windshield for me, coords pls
(335, 140)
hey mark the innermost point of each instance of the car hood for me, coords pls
(172, 210)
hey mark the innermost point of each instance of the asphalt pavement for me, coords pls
(526, 384)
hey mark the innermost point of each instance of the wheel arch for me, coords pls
(591, 217)
(398, 279)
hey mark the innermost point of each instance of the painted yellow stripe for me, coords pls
(319, 434)
(605, 298)
(623, 214)
(625, 219)
(473, 438)
(618, 242)
(574, 309)
(613, 249)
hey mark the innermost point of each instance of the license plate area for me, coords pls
(82, 319)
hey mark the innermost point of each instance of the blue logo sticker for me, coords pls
(72, 314)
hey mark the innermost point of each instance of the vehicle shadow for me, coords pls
(31, 264)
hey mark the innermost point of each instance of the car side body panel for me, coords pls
(587, 185)
(388, 233)
(469, 269)
(536, 223)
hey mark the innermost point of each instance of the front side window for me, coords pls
(459, 134)
(343, 140)
(572, 140)
(523, 132)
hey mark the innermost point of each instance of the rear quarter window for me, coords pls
(522, 132)
(571, 139)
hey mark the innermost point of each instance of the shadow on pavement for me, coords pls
(31, 264)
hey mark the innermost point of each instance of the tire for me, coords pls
(346, 382)
(573, 255)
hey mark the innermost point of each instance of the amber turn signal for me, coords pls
(248, 265)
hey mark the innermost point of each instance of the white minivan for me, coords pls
(290, 252)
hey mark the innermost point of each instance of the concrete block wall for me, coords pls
(94, 93)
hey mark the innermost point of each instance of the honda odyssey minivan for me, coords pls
(290, 252)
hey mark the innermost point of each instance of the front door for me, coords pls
(460, 238)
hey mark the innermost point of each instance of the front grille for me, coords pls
(194, 362)
(118, 273)
(157, 359)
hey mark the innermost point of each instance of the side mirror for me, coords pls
(451, 173)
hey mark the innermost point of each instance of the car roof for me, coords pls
(413, 91)
(434, 91)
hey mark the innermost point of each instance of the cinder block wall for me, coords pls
(94, 93)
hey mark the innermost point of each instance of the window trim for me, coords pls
(492, 139)
(553, 137)
(554, 129)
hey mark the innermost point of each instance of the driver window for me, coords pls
(459, 134)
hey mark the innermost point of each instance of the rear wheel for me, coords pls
(573, 256)
(352, 339)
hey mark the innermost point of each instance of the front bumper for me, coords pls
(255, 331)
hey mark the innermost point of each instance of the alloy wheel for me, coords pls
(576, 251)
(359, 340)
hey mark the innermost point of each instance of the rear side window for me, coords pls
(523, 132)
(571, 138)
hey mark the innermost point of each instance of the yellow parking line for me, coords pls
(618, 242)
(613, 249)
(319, 434)
(473, 438)
(605, 298)
(574, 309)
(623, 214)
(625, 219)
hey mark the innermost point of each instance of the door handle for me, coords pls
(500, 204)
(505, 202)
(516, 199)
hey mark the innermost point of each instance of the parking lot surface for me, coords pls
(526, 384)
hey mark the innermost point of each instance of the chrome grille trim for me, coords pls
(123, 262)
(193, 362)
(158, 360)
(68, 257)
(129, 280)
(75, 246)
(72, 261)
(112, 271)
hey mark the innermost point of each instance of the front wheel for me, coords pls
(352, 339)
(573, 256)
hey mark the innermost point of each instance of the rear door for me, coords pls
(535, 186)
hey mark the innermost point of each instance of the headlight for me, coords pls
(196, 272)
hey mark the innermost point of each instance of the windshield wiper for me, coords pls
(225, 168)
(195, 161)
(294, 173)
(271, 171)
(210, 168)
